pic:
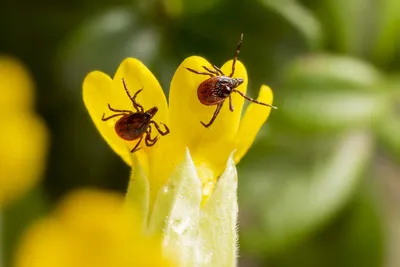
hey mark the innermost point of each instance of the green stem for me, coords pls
(1, 240)
(137, 195)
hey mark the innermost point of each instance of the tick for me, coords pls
(136, 125)
(216, 89)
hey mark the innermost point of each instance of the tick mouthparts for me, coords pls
(152, 111)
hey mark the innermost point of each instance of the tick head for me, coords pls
(237, 82)
(151, 112)
(225, 85)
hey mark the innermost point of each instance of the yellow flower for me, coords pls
(210, 147)
(90, 228)
(174, 184)
(23, 142)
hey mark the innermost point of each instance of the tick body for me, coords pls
(218, 87)
(215, 90)
(136, 125)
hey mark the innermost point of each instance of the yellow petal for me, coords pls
(22, 158)
(207, 145)
(230, 120)
(96, 94)
(15, 86)
(253, 119)
(138, 76)
(90, 228)
(99, 91)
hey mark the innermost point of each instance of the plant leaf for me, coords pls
(300, 17)
(288, 202)
(218, 222)
(176, 212)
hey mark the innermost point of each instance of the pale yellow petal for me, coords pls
(207, 145)
(97, 92)
(252, 121)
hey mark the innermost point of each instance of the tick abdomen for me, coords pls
(213, 90)
(131, 126)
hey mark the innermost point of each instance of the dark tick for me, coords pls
(218, 87)
(134, 125)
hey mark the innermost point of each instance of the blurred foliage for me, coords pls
(307, 188)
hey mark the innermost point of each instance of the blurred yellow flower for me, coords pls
(90, 228)
(209, 147)
(23, 142)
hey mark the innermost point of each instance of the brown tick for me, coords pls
(134, 125)
(218, 87)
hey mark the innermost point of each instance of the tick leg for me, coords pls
(135, 148)
(150, 141)
(139, 108)
(231, 108)
(236, 55)
(112, 116)
(211, 71)
(165, 132)
(214, 116)
(136, 105)
(219, 70)
(126, 89)
(253, 100)
(118, 110)
(198, 72)
(148, 136)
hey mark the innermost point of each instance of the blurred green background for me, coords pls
(321, 185)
